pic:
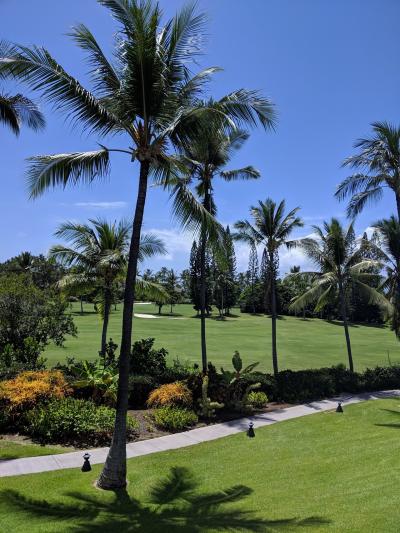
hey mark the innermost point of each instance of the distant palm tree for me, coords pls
(99, 253)
(385, 245)
(18, 110)
(378, 165)
(341, 264)
(148, 98)
(207, 155)
(271, 228)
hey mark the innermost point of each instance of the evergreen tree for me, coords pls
(253, 276)
(195, 277)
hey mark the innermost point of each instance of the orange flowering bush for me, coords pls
(30, 388)
(172, 394)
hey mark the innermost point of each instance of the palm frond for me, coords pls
(48, 171)
(245, 173)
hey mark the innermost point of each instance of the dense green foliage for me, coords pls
(73, 421)
(174, 418)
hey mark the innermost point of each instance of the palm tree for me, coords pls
(271, 228)
(341, 265)
(99, 254)
(207, 154)
(385, 246)
(17, 110)
(378, 166)
(149, 94)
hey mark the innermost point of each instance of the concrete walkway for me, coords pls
(31, 465)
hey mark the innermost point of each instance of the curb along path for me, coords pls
(46, 463)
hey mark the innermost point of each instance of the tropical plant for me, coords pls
(207, 154)
(238, 371)
(206, 405)
(148, 93)
(17, 110)
(102, 381)
(378, 165)
(173, 394)
(98, 254)
(385, 245)
(341, 264)
(271, 229)
(257, 399)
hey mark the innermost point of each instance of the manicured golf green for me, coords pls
(301, 343)
(324, 472)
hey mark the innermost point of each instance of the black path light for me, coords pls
(339, 408)
(86, 467)
(250, 431)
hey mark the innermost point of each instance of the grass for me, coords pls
(324, 473)
(10, 449)
(301, 343)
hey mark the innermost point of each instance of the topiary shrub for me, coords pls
(172, 394)
(174, 418)
(73, 421)
(257, 399)
(29, 389)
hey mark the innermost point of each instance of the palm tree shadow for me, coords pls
(390, 425)
(174, 505)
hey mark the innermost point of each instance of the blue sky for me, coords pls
(331, 68)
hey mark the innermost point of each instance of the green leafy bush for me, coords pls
(257, 399)
(174, 418)
(139, 389)
(73, 421)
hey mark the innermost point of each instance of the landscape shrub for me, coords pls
(172, 394)
(31, 388)
(145, 360)
(305, 385)
(174, 418)
(73, 421)
(139, 389)
(257, 399)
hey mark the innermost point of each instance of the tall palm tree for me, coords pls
(99, 253)
(341, 264)
(17, 110)
(385, 245)
(149, 94)
(207, 154)
(271, 228)
(378, 166)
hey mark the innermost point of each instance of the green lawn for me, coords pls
(10, 449)
(301, 343)
(324, 472)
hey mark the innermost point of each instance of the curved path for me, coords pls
(45, 463)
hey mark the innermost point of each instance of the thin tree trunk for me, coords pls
(398, 205)
(273, 320)
(113, 475)
(346, 325)
(107, 308)
(203, 302)
(81, 305)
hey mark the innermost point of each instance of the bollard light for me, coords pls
(250, 431)
(86, 467)
(339, 408)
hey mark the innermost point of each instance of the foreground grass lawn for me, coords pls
(324, 472)
(14, 450)
(301, 343)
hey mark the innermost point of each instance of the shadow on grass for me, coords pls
(174, 505)
(387, 424)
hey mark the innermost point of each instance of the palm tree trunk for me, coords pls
(345, 325)
(107, 308)
(203, 302)
(81, 305)
(398, 205)
(273, 320)
(113, 475)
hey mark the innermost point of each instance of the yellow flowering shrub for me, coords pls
(172, 394)
(30, 388)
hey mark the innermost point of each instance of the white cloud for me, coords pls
(177, 242)
(101, 205)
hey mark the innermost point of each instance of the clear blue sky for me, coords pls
(331, 68)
